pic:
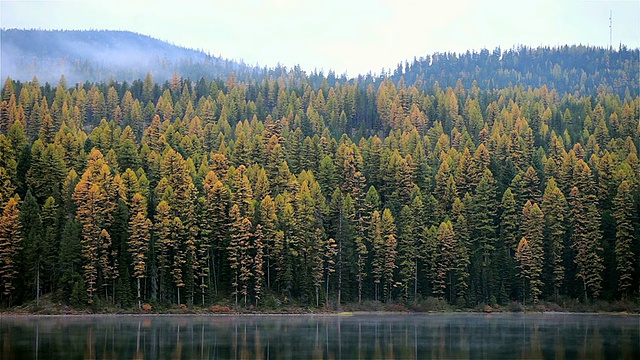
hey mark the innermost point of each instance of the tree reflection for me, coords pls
(322, 337)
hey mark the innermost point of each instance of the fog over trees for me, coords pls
(477, 178)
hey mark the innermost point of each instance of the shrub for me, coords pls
(146, 307)
(221, 309)
(515, 306)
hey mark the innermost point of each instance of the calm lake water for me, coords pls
(411, 336)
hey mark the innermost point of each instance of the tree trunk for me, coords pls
(38, 285)
(139, 300)
(202, 290)
(327, 293)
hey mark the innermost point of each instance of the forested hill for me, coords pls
(295, 188)
(98, 55)
(571, 69)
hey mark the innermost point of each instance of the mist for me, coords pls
(99, 56)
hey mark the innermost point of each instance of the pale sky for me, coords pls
(341, 35)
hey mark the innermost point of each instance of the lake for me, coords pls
(360, 336)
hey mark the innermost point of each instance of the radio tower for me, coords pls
(610, 32)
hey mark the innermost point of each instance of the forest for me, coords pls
(262, 189)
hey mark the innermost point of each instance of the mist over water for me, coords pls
(411, 336)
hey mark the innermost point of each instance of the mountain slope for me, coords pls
(98, 56)
(569, 69)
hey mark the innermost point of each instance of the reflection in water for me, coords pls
(409, 336)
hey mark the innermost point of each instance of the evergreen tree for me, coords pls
(524, 257)
(532, 229)
(586, 241)
(10, 246)
(445, 258)
(33, 242)
(484, 233)
(554, 207)
(624, 215)
(140, 236)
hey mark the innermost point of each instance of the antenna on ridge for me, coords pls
(610, 30)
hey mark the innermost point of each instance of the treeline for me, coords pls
(208, 191)
(575, 69)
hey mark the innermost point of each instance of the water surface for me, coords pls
(410, 336)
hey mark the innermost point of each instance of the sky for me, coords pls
(346, 36)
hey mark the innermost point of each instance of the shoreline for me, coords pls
(307, 314)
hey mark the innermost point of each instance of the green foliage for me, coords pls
(295, 186)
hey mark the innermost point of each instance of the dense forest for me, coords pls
(288, 187)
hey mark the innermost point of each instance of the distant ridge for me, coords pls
(102, 55)
(97, 55)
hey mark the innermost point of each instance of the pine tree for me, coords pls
(532, 228)
(554, 207)
(624, 215)
(461, 259)
(377, 246)
(216, 222)
(238, 253)
(51, 242)
(408, 247)
(257, 269)
(33, 240)
(177, 247)
(10, 246)
(509, 221)
(161, 245)
(96, 196)
(586, 241)
(138, 244)
(524, 257)
(484, 232)
(445, 258)
(384, 251)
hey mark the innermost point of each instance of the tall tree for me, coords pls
(138, 244)
(10, 246)
(555, 209)
(524, 257)
(586, 241)
(532, 228)
(624, 215)
(33, 241)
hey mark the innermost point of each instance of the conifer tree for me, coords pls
(257, 269)
(238, 255)
(10, 246)
(624, 215)
(532, 228)
(524, 257)
(484, 233)
(586, 241)
(51, 242)
(33, 240)
(408, 247)
(139, 238)
(445, 258)
(554, 207)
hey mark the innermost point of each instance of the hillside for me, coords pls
(287, 188)
(572, 69)
(95, 55)
(99, 55)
